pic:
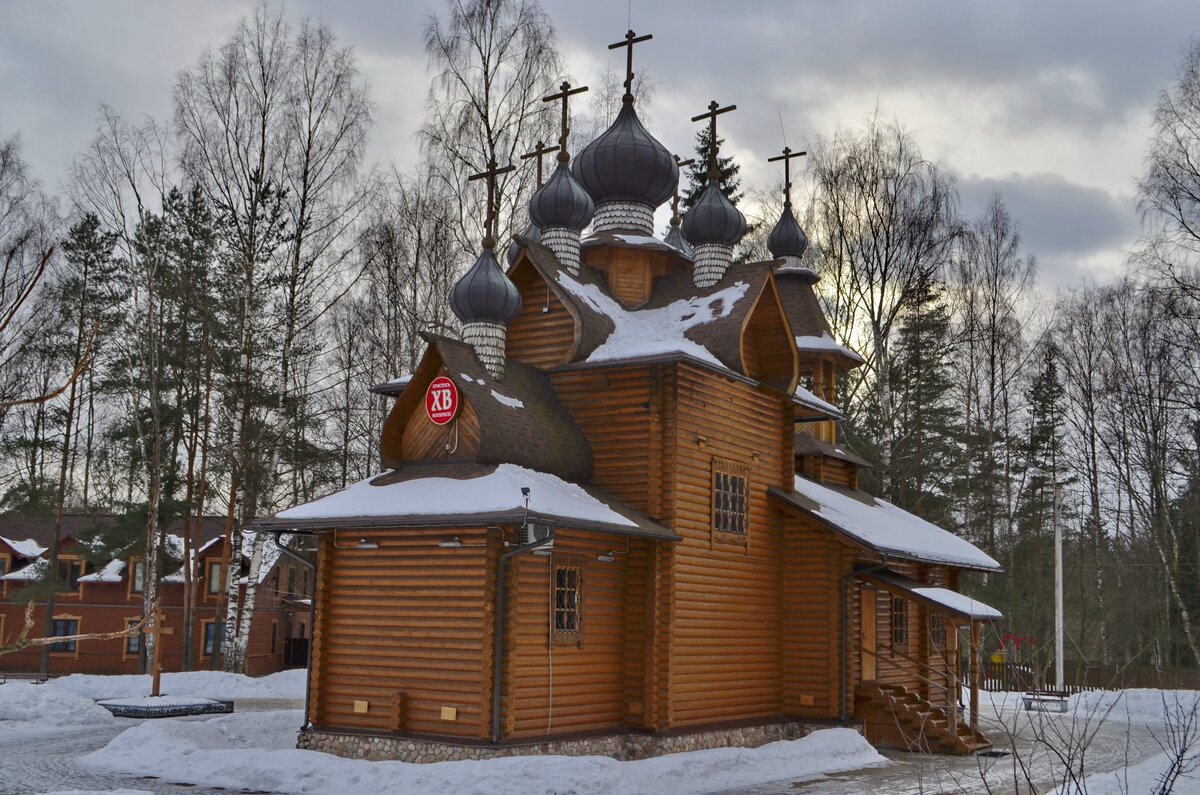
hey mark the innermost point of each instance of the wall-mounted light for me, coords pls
(450, 543)
(605, 558)
(365, 544)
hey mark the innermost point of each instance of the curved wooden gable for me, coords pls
(768, 345)
(409, 434)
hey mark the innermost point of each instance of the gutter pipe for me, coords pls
(498, 647)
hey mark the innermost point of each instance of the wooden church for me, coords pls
(616, 518)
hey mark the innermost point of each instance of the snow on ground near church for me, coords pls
(27, 707)
(203, 684)
(495, 492)
(254, 751)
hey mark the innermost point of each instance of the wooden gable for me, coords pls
(546, 332)
(409, 434)
(768, 346)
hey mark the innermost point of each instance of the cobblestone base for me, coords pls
(619, 746)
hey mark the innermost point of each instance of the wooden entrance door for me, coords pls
(867, 632)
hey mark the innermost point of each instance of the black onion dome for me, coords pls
(626, 163)
(484, 294)
(676, 240)
(561, 202)
(787, 238)
(713, 219)
(532, 234)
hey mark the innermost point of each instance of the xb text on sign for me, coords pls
(441, 400)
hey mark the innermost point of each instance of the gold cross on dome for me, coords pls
(630, 40)
(713, 112)
(786, 157)
(538, 151)
(493, 171)
(565, 92)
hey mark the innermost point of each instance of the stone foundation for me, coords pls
(624, 746)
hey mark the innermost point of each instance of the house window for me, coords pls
(730, 498)
(274, 635)
(213, 638)
(568, 599)
(291, 589)
(139, 576)
(214, 576)
(69, 572)
(899, 621)
(3, 565)
(62, 628)
(133, 643)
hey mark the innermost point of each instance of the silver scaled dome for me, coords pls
(787, 238)
(713, 219)
(484, 294)
(531, 234)
(627, 164)
(561, 202)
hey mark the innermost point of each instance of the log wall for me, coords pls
(543, 333)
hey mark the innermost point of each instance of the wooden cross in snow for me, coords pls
(565, 92)
(156, 632)
(713, 112)
(786, 157)
(493, 171)
(538, 151)
(630, 40)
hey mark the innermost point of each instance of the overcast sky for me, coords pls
(1049, 103)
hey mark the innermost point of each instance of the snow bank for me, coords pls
(1143, 706)
(49, 704)
(1145, 776)
(255, 751)
(206, 684)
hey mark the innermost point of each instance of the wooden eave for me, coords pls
(893, 581)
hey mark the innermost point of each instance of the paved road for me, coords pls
(51, 763)
(1036, 746)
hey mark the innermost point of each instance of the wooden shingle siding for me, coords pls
(412, 618)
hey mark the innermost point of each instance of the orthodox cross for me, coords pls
(713, 112)
(630, 40)
(538, 151)
(786, 157)
(680, 164)
(156, 632)
(493, 171)
(565, 92)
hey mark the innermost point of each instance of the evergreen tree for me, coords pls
(697, 173)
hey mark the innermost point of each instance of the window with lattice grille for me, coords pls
(730, 498)
(568, 599)
(937, 628)
(899, 621)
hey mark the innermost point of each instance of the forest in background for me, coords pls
(225, 285)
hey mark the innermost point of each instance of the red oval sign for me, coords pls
(441, 400)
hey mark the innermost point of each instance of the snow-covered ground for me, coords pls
(251, 750)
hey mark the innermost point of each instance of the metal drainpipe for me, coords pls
(312, 614)
(845, 577)
(498, 649)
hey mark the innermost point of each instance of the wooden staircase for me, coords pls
(896, 717)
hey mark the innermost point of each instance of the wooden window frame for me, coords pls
(730, 521)
(899, 622)
(274, 635)
(128, 639)
(203, 638)
(133, 566)
(73, 652)
(937, 629)
(70, 561)
(5, 563)
(567, 579)
(209, 579)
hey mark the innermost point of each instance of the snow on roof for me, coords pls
(958, 603)
(650, 332)
(30, 573)
(110, 573)
(511, 402)
(26, 549)
(638, 240)
(827, 344)
(498, 491)
(809, 400)
(880, 525)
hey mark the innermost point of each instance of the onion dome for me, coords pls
(787, 238)
(677, 241)
(627, 164)
(561, 202)
(713, 219)
(532, 233)
(484, 294)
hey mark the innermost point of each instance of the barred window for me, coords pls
(568, 600)
(937, 628)
(730, 501)
(899, 621)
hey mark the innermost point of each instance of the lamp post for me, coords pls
(1058, 573)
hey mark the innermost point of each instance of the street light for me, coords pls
(1058, 573)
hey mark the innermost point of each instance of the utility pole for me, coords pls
(1058, 589)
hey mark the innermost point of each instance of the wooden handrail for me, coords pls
(905, 669)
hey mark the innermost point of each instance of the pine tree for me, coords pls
(697, 173)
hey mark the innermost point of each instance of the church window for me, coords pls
(937, 628)
(899, 621)
(730, 498)
(568, 598)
